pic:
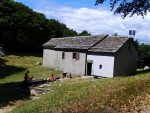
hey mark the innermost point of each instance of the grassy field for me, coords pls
(12, 70)
(120, 94)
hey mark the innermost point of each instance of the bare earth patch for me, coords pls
(9, 107)
(16, 104)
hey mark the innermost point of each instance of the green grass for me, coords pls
(122, 94)
(16, 66)
(126, 94)
(12, 74)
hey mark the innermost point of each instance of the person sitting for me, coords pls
(32, 78)
(27, 77)
(52, 77)
(26, 83)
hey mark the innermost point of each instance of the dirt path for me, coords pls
(7, 109)
(16, 104)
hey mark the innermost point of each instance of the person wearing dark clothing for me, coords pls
(26, 77)
(26, 83)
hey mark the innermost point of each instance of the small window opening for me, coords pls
(100, 66)
(74, 55)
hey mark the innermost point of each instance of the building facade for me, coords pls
(101, 55)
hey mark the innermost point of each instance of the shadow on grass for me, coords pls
(142, 71)
(9, 70)
(25, 54)
(139, 72)
(2, 61)
(9, 94)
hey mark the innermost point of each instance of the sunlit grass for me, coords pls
(12, 74)
(20, 64)
(121, 94)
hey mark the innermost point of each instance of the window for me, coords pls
(100, 66)
(76, 56)
(63, 55)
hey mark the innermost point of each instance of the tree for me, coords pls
(144, 55)
(128, 7)
(22, 29)
(58, 29)
(84, 33)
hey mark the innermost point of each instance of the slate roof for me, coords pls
(100, 43)
(109, 44)
(79, 42)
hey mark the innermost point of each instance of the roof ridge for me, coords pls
(98, 41)
(120, 36)
(76, 37)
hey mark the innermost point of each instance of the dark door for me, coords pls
(89, 68)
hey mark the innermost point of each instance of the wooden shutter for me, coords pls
(77, 56)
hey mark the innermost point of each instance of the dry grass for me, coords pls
(120, 94)
(121, 97)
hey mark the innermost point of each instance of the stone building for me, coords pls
(102, 55)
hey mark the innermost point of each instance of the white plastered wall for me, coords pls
(107, 63)
(48, 58)
(53, 59)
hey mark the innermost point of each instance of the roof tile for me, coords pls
(99, 43)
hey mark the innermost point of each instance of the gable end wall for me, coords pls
(126, 59)
(53, 59)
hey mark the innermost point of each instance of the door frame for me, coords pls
(89, 68)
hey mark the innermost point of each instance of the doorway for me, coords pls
(89, 68)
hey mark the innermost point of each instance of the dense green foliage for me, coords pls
(58, 29)
(25, 30)
(128, 7)
(144, 55)
(84, 33)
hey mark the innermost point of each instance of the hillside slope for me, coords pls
(121, 94)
